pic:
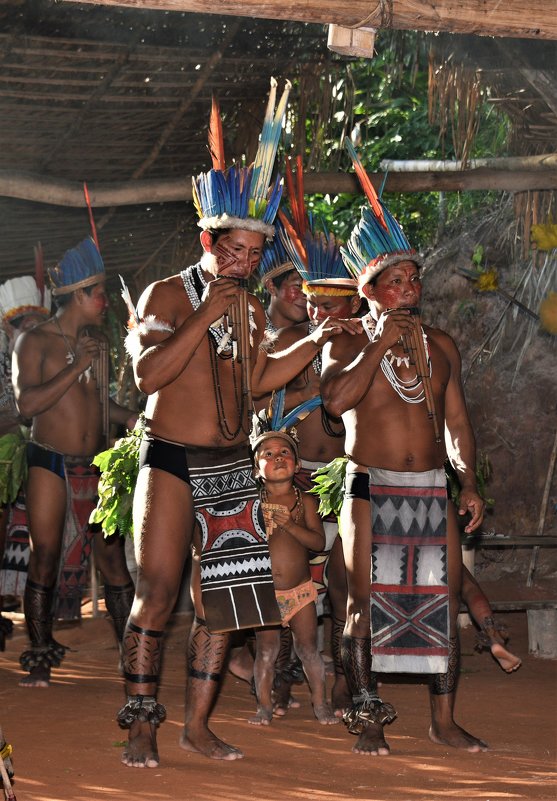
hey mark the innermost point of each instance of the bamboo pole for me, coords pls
(60, 192)
(543, 511)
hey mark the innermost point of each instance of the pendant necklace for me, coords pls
(70, 354)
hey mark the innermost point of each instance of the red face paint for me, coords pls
(398, 286)
(238, 253)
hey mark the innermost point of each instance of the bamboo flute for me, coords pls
(414, 345)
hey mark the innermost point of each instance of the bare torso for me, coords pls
(407, 440)
(72, 425)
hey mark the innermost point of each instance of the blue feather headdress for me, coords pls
(272, 422)
(312, 248)
(79, 267)
(242, 197)
(377, 241)
(275, 260)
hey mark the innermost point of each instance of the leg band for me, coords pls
(445, 683)
(119, 602)
(144, 708)
(491, 631)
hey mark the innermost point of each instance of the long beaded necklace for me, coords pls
(71, 354)
(402, 387)
(220, 346)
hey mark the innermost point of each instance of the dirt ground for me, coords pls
(67, 744)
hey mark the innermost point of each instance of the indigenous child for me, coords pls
(293, 528)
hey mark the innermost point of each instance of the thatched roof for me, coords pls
(105, 95)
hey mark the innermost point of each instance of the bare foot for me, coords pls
(142, 746)
(509, 662)
(371, 742)
(203, 741)
(38, 677)
(341, 697)
(263, 717)
(456, 737)
(324, 714)
(281, 707)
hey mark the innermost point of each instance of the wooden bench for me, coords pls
(542, 626)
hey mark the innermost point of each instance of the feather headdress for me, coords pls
(20, 296)
(242, 197)
(79, 267)
(272, 423)
(377, 241)
(312, 248)
(275, 260)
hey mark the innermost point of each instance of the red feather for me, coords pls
(216, 142)
(370, 192)
(296, 196)
(293, 234)
(39, 269)
(91, 218)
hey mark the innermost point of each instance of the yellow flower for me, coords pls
(548, 313)
(487, 281)
(545, 235)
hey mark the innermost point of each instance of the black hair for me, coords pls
(278, 279)
(63, 300)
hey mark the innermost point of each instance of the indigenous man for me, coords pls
(60, 372)
(278, 276)
(397, 385)
(23, 304)
(194, 462)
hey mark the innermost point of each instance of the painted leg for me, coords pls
(142, 649)
(442, 694)
(45, 652)
(368, 713)
(341, 697)
(206, 657)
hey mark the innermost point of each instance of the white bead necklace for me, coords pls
(402, 387)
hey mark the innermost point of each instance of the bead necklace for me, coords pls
(402, 387)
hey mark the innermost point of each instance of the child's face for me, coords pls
(275, 460)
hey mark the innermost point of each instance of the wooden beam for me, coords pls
(483, 17)
(548, 161)
(60, 192)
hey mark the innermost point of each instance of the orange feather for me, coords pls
(216, 141)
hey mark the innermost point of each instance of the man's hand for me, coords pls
(218, 295)
(330, 327)
(86, 351)
(471, 502)
(392, 325)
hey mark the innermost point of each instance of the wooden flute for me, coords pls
(238, 314)
(414, 345)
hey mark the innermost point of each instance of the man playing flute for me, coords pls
(195, 472)
(61, 385)
(397, 524)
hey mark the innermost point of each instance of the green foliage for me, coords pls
(13, 464)
(119, 469)
(329, 486)
(390, 117)
(484, 471)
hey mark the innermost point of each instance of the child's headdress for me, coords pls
(272, 422)
(242, 197)
(377, 241)
(313, 249)
(25, 294)
(79, 267)
(274, 260)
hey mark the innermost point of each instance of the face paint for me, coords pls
(337, 307)
(399, 286)
(238, 253)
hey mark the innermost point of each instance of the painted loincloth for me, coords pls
(236, 580)
(409, 592)
(15, 563)
(82, 479)
(319, 562)
(291, 601)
